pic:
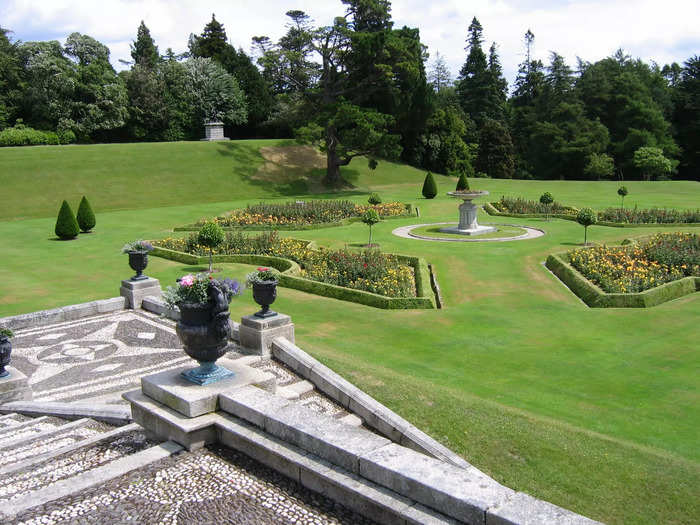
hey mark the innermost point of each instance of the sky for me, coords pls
(663, 32)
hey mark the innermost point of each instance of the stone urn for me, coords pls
(467, 214)
(5, 351)
(265, 293)
(204, 332)
(138, 262)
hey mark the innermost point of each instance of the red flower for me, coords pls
(262, 269)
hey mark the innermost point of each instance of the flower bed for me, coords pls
(370, 270)
(649, 216)
(301, 214)
(520, 206)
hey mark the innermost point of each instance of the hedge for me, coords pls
(594, 297)
(491, 210)
(289, 278)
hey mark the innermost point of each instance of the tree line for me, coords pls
(361, 87)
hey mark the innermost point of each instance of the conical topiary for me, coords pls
(429, 187)
(85, 217)
(462, 183)
(66, 225)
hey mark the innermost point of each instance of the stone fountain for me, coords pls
(467, 214)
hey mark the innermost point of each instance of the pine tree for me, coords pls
(66, 224)
(498, 86)
(474, 78)
(144, 50)
(440, 77)
(462, 183)
(212, 43)
(86, 217)
(495, 155)
(429, 187)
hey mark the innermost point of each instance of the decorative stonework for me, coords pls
(214, 131)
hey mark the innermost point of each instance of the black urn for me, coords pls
(5, 351)
(203, 339)
(138, 262)
(265, 293)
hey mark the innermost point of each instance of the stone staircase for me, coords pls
(47, 457)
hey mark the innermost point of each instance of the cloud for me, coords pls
(591, 29)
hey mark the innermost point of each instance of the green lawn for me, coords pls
(596, 410)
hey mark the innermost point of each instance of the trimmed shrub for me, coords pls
(21, 135)
(374, 199)
(429, 186)
(622, 192)
(211, 235)
(462, 183)
(586, 217)
(85, 217)
(370, 218)
(66, 224)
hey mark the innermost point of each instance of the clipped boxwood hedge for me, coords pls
(290, 271)
(594, 297)
(491, 210)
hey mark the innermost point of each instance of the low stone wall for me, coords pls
(62, 314)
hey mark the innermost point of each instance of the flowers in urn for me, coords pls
(140, 246)
(264, 282)
(194, 289)
(261, 275)
(138, 257)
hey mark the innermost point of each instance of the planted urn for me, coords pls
(138, 257)
(264, 282)
(5, 350)
(204, 326)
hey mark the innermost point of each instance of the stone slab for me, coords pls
(64, 313)
(480, 230)
(14, 387)
(251, 404)
(463, 494)
(172, 390)
(112, 414)
(257, 335)
(522, 509)
(135, 291)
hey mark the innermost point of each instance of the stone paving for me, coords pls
(213, 485)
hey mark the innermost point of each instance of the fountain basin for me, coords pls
(467, 214)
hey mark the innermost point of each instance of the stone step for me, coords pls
(85, 480)
(27, 428)
(12, 419)
(37, 472)
(51, 439)
(295, 390)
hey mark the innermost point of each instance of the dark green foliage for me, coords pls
(686, 118)
(547, 200)
(462, 183)
(370, 218)
(495, 155)
(86, 217)
(66, 224)
(429, 187)
(374, 198)
(586, 217)
(144, 51)
(11, 79)
(210, 235)
(622, 192)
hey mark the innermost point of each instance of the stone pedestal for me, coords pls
(14, 387)
(214, 131)
(256, 334)
(170, 407)
(467, 221)
(135, 291)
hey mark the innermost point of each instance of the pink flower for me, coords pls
(187, 280)
(263, 269)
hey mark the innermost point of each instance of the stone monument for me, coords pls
(214, 131)
(467, 214)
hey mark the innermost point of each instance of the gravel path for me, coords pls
(405, 232)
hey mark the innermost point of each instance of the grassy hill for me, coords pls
(593, 409)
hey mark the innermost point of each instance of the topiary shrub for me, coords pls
(622, 192)
(370, 218)
(429, 186)
(85, 217)
(586, 217)
(546, 199)
(374, 199)
(210, 235)
(462, 183)
(66, 224)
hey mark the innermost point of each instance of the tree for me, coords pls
(215, 93)
(86, 217)
(495, 155)
(66, 225)
(498, 87)
(547, 199)
(440, 77)
(144, 51)
(586, 217)
(374, 199)
(11, 79)
(686, 118)
(474, 82)
(370, 218)
(462, 183)
(622, 192)
(211, 43)
(600, 166)
(210, 235)
(429, 187)
(442, 143)
(652, 163)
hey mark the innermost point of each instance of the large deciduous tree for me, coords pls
(215, 93)
(686, 118)
(495, 155)
(11, 79)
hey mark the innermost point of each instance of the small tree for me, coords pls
(429, 186)
(370, 218)
(547, 199)
(462, 183)
(622, 192)
(374, 199)
(600, 166)
(210, 235)
(66, 224)
(652, 163)
(85, 217)
(586, 217)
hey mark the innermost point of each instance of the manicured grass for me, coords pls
(503, 231)
(593, 409)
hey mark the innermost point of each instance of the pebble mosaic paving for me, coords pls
(214, 485)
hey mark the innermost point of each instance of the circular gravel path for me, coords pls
(405, 232)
